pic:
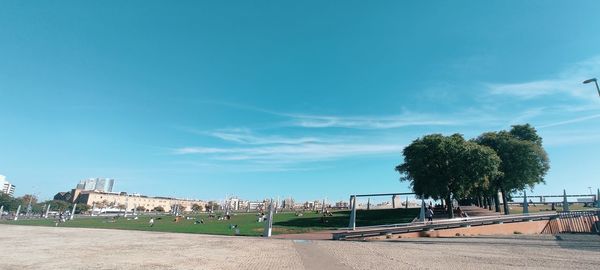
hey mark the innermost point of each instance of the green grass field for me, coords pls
(540, 208)
(247, 222)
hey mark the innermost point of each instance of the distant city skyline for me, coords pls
(100, 184)
(303, 99)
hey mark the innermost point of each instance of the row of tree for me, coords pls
(450, 167)
(12, 204)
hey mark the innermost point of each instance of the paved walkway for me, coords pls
(28, 247)
(321, 235)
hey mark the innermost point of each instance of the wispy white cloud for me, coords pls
(527, 115)
(369, 122)
(245, 136)
(293, 153)
(274, 152)
(366, 122)
(533, 89)
(251, 167)
(571, 121)
(566, 83)
(295, 146)
(571, 137)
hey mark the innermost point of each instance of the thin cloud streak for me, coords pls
(245, 136)
(356, 122)
(571, 121)
(528, 90)
(253, 167)
(567, 83)
(557, 139)
(363, 122)
(292, 153)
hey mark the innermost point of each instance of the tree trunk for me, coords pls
(505, 202)
(450, 204)
(496, 202)
(489, 203)
(484, 199)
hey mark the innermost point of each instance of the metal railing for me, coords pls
(438, 225)
(575, 222)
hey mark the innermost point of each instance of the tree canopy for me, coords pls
(11, 204)
(524, 160)
(447, 167)
(196, 207)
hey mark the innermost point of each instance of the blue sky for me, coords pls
(307, 99)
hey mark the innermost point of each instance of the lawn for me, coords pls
(246, 222)
(541, 208)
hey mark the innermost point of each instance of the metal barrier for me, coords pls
(438, 225)
(579, 221)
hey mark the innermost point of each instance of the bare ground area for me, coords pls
(29, 247)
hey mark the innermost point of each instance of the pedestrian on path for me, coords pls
(429, 214)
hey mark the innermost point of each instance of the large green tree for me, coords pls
(524, 160)
(9, 203)
(196, 208)
(60, 206)
(447, 167)
(82, 208)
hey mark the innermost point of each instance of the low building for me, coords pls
(233, 204)
(288, 203)
(341, 205)
(64, 196)
(99, 200)
(6, 187)
(68, 196)
(256, 206)
(309, 205)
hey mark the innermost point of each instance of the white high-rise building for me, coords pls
(6, 187)
(99, 184)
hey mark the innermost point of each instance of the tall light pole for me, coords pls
(595, 82)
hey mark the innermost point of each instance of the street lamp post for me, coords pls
(595, 82)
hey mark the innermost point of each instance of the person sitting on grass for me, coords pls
(324, 218)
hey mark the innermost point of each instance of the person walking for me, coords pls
(151, 222)
(429, 214)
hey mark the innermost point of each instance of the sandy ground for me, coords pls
(25, 247)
